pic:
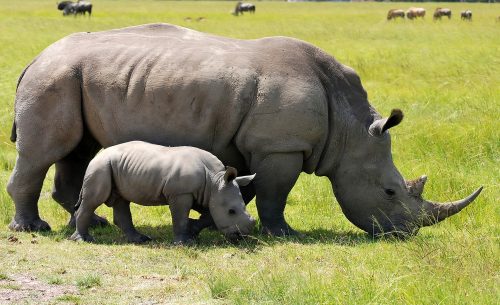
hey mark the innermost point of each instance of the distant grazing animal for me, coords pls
(83, 7)
(173, 86)
(61, 5)
(466, 15)
(67, 7)
(183, 177)
(440, 12)
(395, 13)
(415, 12)
(72, 8)
(243, 7)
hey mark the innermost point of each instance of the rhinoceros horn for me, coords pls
(437, 212)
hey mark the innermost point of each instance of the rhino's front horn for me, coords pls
(438, 212)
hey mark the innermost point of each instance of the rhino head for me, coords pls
(372, 193)
(226, 204)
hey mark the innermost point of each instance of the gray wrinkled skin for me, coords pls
(272, 106)
(183, 177)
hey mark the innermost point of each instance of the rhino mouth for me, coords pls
(400, 232)
(236, 232)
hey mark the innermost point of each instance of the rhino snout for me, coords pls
(238, 230)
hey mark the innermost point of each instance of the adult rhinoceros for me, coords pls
(273, 106)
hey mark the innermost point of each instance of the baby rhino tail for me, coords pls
(13, 133)
(79, 202)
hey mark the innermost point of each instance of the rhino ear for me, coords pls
(244, 180)
(230, 174)
(378, 127)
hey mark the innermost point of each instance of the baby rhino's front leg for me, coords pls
(123, 219)
(180, 206)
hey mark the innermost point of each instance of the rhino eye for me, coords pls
(390, 192)
(231, 212)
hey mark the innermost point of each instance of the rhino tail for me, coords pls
(13, 133)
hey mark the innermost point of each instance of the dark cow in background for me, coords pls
(67, 7)
(395, 13)
(466, 15)
(243, 7)
(440, 12)
(415, 12)
(78, 8)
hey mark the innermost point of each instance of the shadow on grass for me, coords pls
(162, 238)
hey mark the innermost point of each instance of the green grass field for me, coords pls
(445, 77)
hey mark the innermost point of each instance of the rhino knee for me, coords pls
(10, 188)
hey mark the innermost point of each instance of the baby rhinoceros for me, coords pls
(148, 174)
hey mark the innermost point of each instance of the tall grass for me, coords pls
(443, 75)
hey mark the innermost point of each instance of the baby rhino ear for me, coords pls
(230, 174)
(244, 180)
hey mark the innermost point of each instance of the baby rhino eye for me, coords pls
(232, 212)
(390, 192)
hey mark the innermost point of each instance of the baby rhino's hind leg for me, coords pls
(123, 219)
(96, 189)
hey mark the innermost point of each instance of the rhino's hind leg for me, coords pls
(276, 174)
(96, 189)
(69, 178)
(123, 219)
(48, 127)
(24, 187)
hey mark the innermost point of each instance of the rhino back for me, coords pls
(173, 86)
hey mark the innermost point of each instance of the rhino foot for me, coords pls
(197, 225)
(97, 221)
(184, 241)
(79, 237)
(29, 226)
(138, 238)
(279, 231)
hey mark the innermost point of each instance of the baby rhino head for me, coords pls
(227, 206)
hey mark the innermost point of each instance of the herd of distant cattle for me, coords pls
(83, 7)
(75, 8)
(416, 12)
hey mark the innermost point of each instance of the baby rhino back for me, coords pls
(144, 173)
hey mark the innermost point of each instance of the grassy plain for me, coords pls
(444, 75)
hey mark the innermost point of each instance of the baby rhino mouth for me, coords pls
(236, 232)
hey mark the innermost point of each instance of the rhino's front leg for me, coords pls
(179, 208)
(276, 174)
(196, 225)
(123, 219)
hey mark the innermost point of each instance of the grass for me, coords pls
(443, 75)
(88, 281)
(71, 299)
